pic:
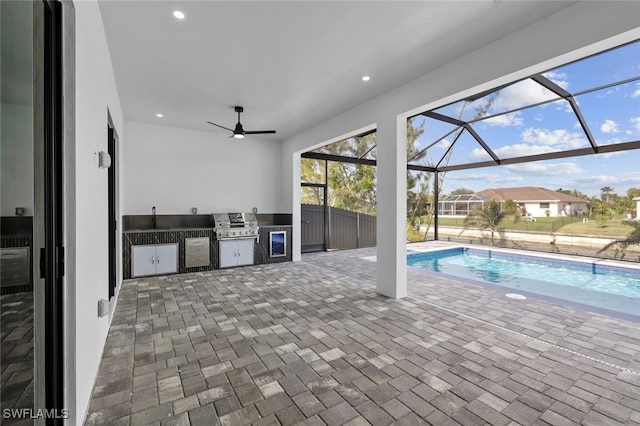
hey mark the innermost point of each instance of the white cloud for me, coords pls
(526, 92)
(560, 139)
(510, 151)
(484, 177)
(536, 141)
(609, 126)
(545, 169)
(635, 122)
(611, 154)
(637, 91)
(622, 179)
(443, 144)
(558, 78)
(513, 119)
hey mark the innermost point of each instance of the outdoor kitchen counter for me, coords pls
(262, 251)
(178, 235)
(177, 229)
(143, 237)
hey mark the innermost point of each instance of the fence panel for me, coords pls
(347, 229)
(312, 228)
(367, 231)
(343, 229)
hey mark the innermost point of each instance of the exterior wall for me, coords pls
(95, 96)
(534, 209)
(555, 209)
(176, 169)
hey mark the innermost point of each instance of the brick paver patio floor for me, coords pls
(311, 342)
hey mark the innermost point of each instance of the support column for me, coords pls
(392, 206)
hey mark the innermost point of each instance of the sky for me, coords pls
(548, 124)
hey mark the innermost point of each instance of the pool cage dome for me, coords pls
(460, 205)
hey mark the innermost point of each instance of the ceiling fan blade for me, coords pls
(258, 132)
(222, 127)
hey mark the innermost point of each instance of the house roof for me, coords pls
(528, 193)
(464, 198)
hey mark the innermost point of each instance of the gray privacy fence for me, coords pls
(347, 229)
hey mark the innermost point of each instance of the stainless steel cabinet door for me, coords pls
(144, 261)
(228, 253)
(245, 252)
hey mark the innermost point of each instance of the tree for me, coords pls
(490, 215)
(481, 108)
(633, 239)
(461, 191)
(353, 186)
(574, 192)
(633, 192)
(606, 192)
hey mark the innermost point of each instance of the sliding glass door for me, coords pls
(31, 249)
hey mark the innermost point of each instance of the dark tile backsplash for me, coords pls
(166, 221)
(16, 225)
(135, 222)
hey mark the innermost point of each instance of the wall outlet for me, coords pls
(103, 307)
(194, 210)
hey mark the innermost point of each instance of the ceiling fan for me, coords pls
(239, 131)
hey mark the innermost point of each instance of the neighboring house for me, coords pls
(637, 200)
(534, 201)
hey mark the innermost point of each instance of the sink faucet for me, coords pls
(153, 217)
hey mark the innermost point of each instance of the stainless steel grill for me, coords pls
(234, 226)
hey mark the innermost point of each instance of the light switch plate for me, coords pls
(103, 307)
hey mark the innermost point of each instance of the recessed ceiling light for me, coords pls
(366, 78)
(178, 14)
(159, 115)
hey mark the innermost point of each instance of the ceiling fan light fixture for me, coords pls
(238, 132)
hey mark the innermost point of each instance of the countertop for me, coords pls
(130, 231)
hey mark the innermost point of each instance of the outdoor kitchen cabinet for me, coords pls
(157, 259)
(238, 252)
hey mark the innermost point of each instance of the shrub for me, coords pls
(414, 235)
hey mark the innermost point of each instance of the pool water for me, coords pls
(605, 286)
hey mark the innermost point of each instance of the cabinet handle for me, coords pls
(157, 259)
(153, 260)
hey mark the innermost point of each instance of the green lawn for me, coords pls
(612, 228)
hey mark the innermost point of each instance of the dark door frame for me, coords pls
(52, 259)
(112, 209)
(325, 218)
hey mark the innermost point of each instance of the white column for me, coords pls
(296, 215)
(392, 206)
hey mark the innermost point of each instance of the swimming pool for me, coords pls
(595, 284)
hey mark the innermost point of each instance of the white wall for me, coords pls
(16, 113)
(96, 94)
(17, 159)
(176, 169)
